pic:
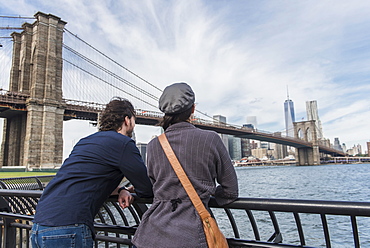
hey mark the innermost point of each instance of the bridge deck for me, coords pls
(13, 103)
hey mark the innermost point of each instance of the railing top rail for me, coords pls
(280, 205)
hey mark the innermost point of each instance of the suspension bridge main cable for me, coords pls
(112, 60)
(110, 72)
(91, 74)
(127, 82)
(18, 17)
(104, 69)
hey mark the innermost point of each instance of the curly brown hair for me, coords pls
(115, 113)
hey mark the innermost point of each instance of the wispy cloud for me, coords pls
(239, 56)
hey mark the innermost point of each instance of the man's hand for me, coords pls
(125, 199)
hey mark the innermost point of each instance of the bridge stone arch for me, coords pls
(300, 134)
(306, 130)
(33, 138)
(309, 134)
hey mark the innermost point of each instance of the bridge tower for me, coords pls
(307, 131)
(34, 138)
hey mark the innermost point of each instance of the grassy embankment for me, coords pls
(24, 174)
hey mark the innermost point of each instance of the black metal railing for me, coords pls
(283, 221)
(25, 183)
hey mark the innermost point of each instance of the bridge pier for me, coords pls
(33, 138)
(12, 147)
(306, 130)
(307, 156)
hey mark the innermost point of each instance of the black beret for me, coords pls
(176, 98)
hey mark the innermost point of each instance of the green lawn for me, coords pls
(24, 174)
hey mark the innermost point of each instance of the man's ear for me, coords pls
(127, 121)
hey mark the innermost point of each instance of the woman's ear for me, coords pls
(193, 109)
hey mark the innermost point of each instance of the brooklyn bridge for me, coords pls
(56, 76)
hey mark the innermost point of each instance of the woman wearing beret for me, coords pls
(172, 221)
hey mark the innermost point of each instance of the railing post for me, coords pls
(9, 234)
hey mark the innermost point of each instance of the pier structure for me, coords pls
(307, 131)
(33, 137)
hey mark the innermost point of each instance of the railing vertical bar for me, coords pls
(276, 236)
(39, 183)
(122, 214)
(112, 218)
(20, 231)
(233, 223)
(326, 230)
(102, 219)
(253, 224)
(355, 231)
(123, 217)
(299, 228)
(28, 234)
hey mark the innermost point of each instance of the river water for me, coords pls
(344, 182)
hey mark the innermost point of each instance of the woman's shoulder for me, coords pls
(209, 133)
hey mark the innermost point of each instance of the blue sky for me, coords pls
(239, 56)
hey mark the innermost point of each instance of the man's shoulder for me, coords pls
(111, 136)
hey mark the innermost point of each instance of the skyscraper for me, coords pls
(312, 114)
(252, 120)
(337, 144)
(289, 116)
(221, 120)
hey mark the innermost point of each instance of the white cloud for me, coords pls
(239, 56)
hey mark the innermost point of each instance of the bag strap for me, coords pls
(189, 188)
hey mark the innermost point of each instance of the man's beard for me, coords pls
(129, 132)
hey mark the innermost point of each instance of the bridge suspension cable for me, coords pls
(115, 75)
(115, 62)
(109, 72)
(18, 17)
(91, 74)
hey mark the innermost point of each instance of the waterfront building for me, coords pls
(344, 147)
(359, 149)
(246, 143)
(355, 150)
(265, 145)
(254, 144)
(289, 117)
(312, 114)
(279, 151)
(259, 153)
(235, 148)
(368, 148)
(337, 145)
(142, 150)
(221, 120)
(252, 123)
(246, 148)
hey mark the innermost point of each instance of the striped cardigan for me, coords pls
(172, 221)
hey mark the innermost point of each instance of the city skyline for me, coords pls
(238, 56)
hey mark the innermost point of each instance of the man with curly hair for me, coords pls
(93, 171)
